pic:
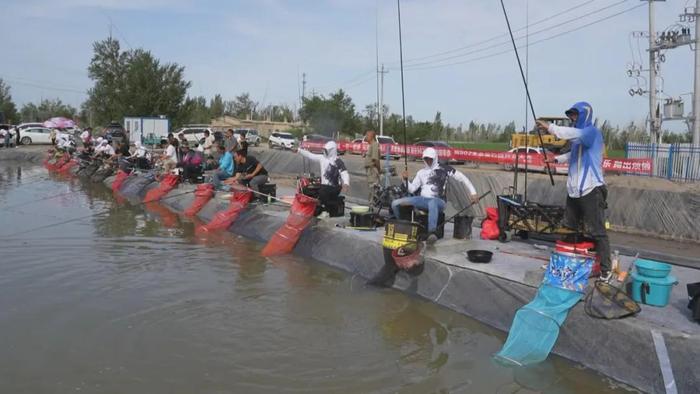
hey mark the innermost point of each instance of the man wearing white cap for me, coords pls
(432, 182)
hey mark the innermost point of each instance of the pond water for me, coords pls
(100, 297)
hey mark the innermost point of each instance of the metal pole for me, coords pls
(381, 103)
(376, 46)
(653, 130)
(696, 87)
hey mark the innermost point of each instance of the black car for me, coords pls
(115, 133)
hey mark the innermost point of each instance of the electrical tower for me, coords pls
(674, 36)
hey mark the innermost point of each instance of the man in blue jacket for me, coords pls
(587, 193)
(225, 168)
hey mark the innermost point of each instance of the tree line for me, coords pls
(135, 83)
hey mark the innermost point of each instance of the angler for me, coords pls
(334, 175)
(587, 194)
(431, 181)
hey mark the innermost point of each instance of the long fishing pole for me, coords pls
(403, 99)
(527, 92)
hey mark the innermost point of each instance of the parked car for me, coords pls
(282, 140)
(23, 126)
(535, 155)
(322, 139)
(194, 134)
(252, 137)
(356, 147)
(385, 140)
(35, 135)
(437, 145)
(114, 133)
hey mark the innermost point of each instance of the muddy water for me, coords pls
(121, 299)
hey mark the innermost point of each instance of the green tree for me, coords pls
(330, 115)
(7, 107)
(216, 106)
(437, 127)
(46, 109)
(242, 107)
(107, 68)
(196, 110)
(133, 83)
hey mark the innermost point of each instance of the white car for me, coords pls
(28, 125)
(35, 135)
(194, 134)
(282, 140)
(535, 155)
(252, 137)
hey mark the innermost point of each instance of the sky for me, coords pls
(458, 58)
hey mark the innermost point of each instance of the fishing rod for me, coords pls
(527, 93)
(403, 99)
(268, 196)
(467, 207)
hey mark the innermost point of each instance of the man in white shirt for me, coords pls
(209, 141)
(432, 181)
(334, 175)
(169, 158)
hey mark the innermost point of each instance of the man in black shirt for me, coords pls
(249, 171)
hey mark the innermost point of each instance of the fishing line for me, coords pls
(527, 92)
(403, 99)
(87, 216)
(39, 200)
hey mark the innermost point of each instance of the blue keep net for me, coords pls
(536, 326)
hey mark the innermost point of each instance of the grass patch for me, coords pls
(616, 154)
(498, 146)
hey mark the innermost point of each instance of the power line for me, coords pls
(40, 86)
(546, 29)
(437, 54)
(427, 67)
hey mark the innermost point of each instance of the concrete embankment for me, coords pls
(491, 293)
(636, 205)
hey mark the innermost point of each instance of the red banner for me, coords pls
(535, 161)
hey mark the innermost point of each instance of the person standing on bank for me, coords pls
(585, 186)
(372, 162)
(432, 181)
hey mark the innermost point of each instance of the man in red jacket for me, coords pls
(190, 162)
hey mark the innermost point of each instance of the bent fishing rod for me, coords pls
(527, 93)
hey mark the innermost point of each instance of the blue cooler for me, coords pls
(652, 291)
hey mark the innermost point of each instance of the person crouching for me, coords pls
(432, 181)
(249, 171)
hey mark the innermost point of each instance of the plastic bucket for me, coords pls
(652, 269)
(652, 291)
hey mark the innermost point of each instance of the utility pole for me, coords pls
(653, 122)
(696, 84)
(380, 113)
(303, 86)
